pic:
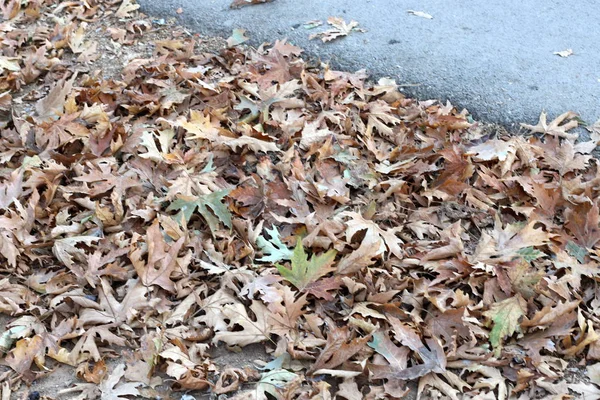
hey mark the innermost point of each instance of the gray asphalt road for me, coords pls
(493, 57)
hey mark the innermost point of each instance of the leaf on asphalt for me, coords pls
(419, 14)
(564, 53)
(243, 3)
(339, 28)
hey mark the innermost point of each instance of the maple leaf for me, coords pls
(506, 317)
(434, 360)
(7, 247)
(286, 315)
(254, 330)
(504, 244)
(26, 350)
(65, 249)
(200, 126)
(125, 8)
(583, 222)
(565, 157)
(238, 36)
(385, 239)
(555, 128)
(272, 382)
(587, 391)
(339, 348)
(110, 310)
(52, 106)
(339, 29)
(11, 189)
(243, 3)
(253, 143)
(162, 260)
(164, 138)
(304, 271)
(380, 115)
(273, 250)
(209, 206)
(281, 95)
(359, 258)
(111, 390)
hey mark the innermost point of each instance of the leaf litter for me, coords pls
(188, 201)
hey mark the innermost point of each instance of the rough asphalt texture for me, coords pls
(493, 58)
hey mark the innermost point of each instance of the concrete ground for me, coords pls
(493, 57)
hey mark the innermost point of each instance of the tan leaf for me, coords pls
(162, 259)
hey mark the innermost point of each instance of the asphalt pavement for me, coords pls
(495, 58)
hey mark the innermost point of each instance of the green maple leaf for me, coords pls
(305, 271)
(505, 315)
(210, 206)
(274, 250)
(529, 253)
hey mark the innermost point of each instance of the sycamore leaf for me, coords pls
(385, 239)
(564, 53)
(242, 3)
(52, 106)
(25, 351)
(585, 390)
(111, 390)
(574, 250)
(593, 372)
(273, 250)
(529, 253)
(200, 126)
(420, 14)
(304, 271)
(9, 63)
(503, 245)
(505, 317)
(65, 249)
(339, 28)
(254, 144)
(238, 36)
(210, 207)
(254, 330)
(340, 347)
(153, 153)
(126, 7)
(555, 128)
(162, 259)
(272, 382)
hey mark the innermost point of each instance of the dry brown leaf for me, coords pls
(339, 29)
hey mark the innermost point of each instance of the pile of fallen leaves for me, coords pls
(200, 200)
